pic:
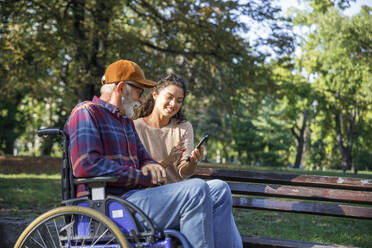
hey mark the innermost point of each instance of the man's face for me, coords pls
(135, 92)
(132, 99)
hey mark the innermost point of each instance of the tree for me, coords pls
(338, 54)
(62, 47)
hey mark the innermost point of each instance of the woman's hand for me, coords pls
(174, 156)
(197, 155)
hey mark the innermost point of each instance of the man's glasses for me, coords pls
(136, 87)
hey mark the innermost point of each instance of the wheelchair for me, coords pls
(96, 221)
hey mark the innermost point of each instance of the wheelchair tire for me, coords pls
(59, 228)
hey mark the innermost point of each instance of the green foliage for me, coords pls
(246, 139)
(338, 54)
(60, 49)
(363, 160)
(254, 105)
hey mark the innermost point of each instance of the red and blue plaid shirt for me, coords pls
(105, 143)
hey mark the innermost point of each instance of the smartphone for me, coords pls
(204, 139)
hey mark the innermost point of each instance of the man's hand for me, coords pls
(174, 155)
(158, 175)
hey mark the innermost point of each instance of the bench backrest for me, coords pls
(323, 195)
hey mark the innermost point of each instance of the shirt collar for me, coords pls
(112, 108)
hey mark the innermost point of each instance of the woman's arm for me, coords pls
(187, 168)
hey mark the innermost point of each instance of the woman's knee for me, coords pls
(197, 186)
(219, 186)
(220, 190)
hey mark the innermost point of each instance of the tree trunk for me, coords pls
(90, 56)
(9, 147)
(345, 150)
(300, 141)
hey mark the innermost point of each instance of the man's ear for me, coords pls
(121, 89)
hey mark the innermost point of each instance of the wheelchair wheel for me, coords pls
(72, 226)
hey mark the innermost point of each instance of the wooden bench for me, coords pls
(324, 195)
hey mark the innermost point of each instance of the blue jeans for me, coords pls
(200, 210)
(226, 233)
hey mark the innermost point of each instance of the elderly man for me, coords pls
(104, 142)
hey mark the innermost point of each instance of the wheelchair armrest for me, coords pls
(97, 185)
(95, 180)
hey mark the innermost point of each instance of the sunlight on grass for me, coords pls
(30, 176)
(34, 192)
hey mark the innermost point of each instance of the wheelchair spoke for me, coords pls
(50, 235)
(59, 238)
(109, 242)
(95, 242)
(95, 234)
(42, 240)
(37, 242)
(68, 228)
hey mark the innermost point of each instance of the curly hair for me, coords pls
(148, 106)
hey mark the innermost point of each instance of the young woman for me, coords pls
(169, 138)
(164, 131)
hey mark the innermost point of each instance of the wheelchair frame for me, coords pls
(98, 221)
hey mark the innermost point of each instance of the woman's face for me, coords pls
(169, 100)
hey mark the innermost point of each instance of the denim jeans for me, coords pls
(226, 233)
(200, 210)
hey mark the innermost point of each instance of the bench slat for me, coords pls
(285, 179)
(303, 207)
(308, 193)
(261, 242)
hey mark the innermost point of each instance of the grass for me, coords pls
(322, 229)
(28, 195)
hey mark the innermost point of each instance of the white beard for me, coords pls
(129, 106)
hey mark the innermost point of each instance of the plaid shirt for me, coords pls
(105, 143)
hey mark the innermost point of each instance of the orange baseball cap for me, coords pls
(126, 70)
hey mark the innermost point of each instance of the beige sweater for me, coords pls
(159, 142)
